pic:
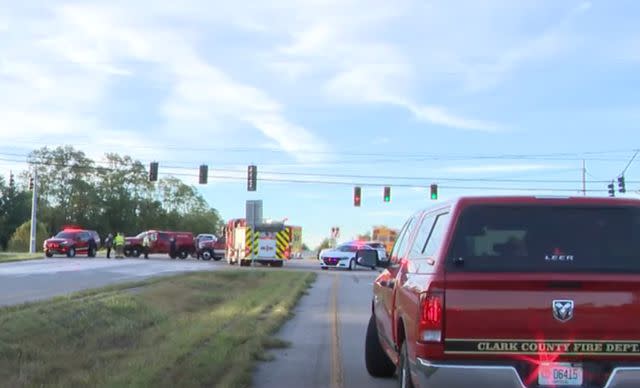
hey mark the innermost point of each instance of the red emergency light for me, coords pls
(71, 227)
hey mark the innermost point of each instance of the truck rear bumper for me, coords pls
(443, 375)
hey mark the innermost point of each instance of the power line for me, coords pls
(321, 175)
(629, 164)
(350, 183)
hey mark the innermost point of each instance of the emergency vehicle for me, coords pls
(72, 240)
(161, 243)
(511, 292)
(267, 243)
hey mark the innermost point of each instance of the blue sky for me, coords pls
(482, 91)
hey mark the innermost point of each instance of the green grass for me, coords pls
(7, 257)
(194, 330)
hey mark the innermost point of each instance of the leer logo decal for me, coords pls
(562, 310)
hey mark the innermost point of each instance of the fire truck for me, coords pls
(265, 243)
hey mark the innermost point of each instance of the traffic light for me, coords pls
(621, 185)
(204, 174)
(434, 192)
(252, 178)
(12, 182)
(387, 194)
(612, 191)
(357, 196)
(153, 172)
(30, 183)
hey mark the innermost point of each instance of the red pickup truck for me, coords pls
(511, 292)
(160, 242)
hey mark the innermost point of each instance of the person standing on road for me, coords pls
(108, 243)
(146, 245)
(172, 247)
(118, 242)
(93, 248)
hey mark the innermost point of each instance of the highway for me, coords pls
(326, 334)
(327, 337)
(33, 280)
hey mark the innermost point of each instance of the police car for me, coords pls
(343, 256)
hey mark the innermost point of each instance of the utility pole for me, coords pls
(34, 212)
(584, 178)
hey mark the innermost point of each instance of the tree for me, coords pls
(124, 194)
(66, 185)
(15, 208)
(178, 197)
(111, 195)
(21, 238)
(365, 237)
(326, 243)
(305, 247)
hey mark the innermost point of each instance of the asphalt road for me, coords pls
(27, 281)
(33, 280)
(327, 336)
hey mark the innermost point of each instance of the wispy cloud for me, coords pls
(361, 69)
(53, 79)
(500, 61)
(380, 84)
(499, 168)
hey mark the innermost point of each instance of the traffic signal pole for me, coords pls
(34, 212)
(584, 178)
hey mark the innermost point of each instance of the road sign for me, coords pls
(254, 212)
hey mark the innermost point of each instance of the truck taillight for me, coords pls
(431, 317)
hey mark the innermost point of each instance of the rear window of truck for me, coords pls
(537, 238)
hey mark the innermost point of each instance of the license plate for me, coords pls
(560, 374)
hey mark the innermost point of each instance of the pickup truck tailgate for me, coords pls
(540, 279)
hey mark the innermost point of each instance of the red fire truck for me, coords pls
(266, 243)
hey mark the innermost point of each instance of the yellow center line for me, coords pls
(336, 354)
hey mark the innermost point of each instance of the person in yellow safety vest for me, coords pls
(118, 242)
(146, 245)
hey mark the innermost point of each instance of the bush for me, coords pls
(21, 238)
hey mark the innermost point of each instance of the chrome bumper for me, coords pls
(436, 375)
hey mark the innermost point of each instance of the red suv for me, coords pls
(72, 241)
(511, 292)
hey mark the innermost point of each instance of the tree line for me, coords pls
(110, 195)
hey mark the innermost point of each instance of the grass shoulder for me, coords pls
(200, 329)
(8, 257)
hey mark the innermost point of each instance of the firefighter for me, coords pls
(118, 242)
(108, 243)
(146, 245)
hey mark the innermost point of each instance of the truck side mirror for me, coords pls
(367, 258)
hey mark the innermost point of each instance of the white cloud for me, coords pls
(362, 69)
(376, 84)
(499, 168)
(55, 74)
